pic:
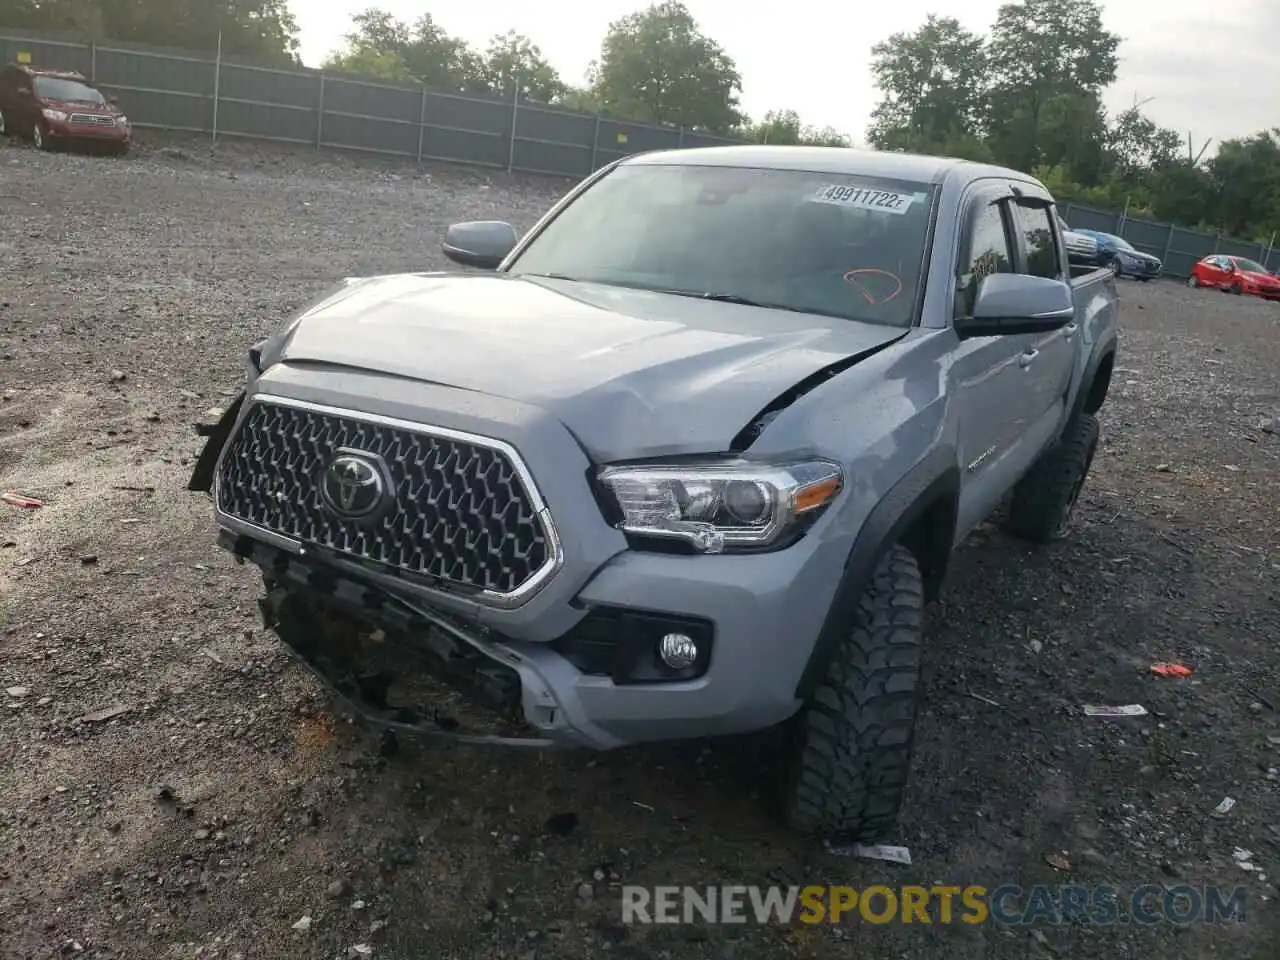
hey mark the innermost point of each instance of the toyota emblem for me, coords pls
(353, 486)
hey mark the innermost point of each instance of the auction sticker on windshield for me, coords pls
(885, 201)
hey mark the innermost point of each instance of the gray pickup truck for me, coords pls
(688, 458)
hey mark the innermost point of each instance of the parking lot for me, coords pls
(171, 786)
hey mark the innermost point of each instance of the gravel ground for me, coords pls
(171, 786)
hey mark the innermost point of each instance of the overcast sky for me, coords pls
(1213, 68)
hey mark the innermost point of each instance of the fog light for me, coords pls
(678, 651)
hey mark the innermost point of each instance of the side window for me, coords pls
(1035, 237)
(986, 252)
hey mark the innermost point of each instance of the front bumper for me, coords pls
(65, 130)
(580, 653)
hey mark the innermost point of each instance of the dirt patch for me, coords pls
(224, 801)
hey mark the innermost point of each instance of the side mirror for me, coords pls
(479, 243)
(1018, 303)
(24, 91)
(113, 100)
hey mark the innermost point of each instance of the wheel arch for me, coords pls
(919, 512)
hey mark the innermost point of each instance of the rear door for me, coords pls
(1050, 357)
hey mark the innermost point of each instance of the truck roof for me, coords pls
(834, 160)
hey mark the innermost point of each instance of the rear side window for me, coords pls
(986, 252)
(1035, 236)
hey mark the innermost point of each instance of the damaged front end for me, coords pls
(400, 668)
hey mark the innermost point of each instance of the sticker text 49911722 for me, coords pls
(885, 201)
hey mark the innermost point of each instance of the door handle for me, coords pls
(1028, 357)
(1069, 331)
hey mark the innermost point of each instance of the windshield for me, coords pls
(1120, 243)
(1249, 266)
(832, 244)
(59, 88)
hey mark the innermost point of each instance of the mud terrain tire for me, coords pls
(850, 767)
(1045, 498)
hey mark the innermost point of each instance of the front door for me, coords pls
(986, 371)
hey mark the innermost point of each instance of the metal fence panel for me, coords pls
(1149, 236)
(1239, 248)
(553, 141)
(1090, 218)
(450, 111)
(176, 89)
(286, 88)
(1185, 248)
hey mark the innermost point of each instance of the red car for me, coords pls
(58, 106)
(1235, 275)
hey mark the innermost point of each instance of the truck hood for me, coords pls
(631, 373)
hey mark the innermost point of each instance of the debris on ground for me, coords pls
(1223, 808)
(1058, 859)
(1170, 670)
(19, 500)
(107, 713)
(1128, 710)
(303, 925)
(875, 851)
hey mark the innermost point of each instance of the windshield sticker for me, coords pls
(885, 201)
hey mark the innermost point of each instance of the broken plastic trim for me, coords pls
(397, 615)
(752, 431)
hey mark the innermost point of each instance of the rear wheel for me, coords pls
(1114, 267)
(1045, 499)
(4, 127)
(849, 770)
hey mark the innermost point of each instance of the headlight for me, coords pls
(722, 506)
(122, 121)
(55, 115)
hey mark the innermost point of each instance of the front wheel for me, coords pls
(4, 126)
(1236, 289)
(847, 776)
(40, 138)
(1045, 498)
(1193, 281)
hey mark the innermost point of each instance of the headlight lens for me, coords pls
(55, 115)
(122, 121)
(717, 507)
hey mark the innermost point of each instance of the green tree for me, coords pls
(514, 55)
(368, 62)
(785, 127)
(933, 84)
(1049, 60)
(656, 66)
(422, 51)
(1246, 178)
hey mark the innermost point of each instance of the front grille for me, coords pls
(93, 120)
(457, 508)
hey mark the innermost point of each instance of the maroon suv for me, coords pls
(58, 106)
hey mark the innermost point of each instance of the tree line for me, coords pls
(1026, 95)
(258, 29)
(654, 66)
